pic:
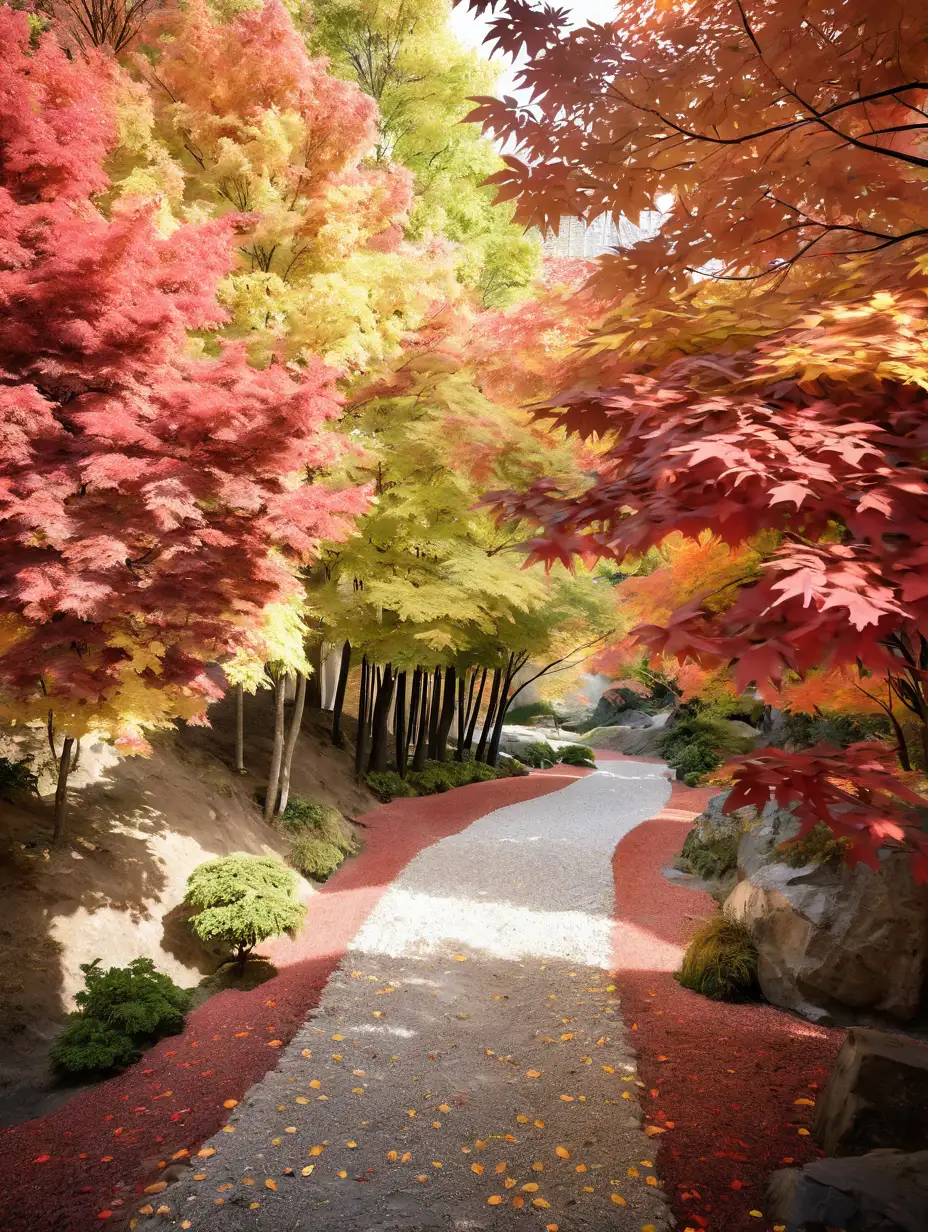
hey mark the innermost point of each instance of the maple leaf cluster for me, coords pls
(148, 513)
(760, 375)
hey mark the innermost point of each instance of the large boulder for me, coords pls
(632, 718)
(884, 1191)
(830, 936)
(635, 741)
(876, 1096)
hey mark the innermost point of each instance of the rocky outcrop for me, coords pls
(830, 936)
(635, 741)
(876, 1096)
(884, 1191)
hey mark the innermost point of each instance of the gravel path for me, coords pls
(468, 1067)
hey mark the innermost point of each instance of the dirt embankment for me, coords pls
(113, 889)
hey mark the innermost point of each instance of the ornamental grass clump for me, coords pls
(320, 837)
(242, 900)
(720, 961)
(121, 1011)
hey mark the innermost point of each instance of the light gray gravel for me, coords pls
(470, 1045)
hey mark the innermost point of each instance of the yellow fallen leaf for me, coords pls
(532, 1073)
(633, 1172)
(147, 1209)
(308, 1170)
(231, 1103)
(338, 1037)
(459, 957)
(206, 1152)
(343, 1174)
(540, 1203)
(436, 1163)
(410, 1112)
(301, 1099)
(500, 1167)
(316, 1150)
(306, 1052)
(436, 1125)
(523, 1120)
(651, 1130)
(291, 1129)
(531, 1187)
(609, 1069)
(804, 1133)
(757, 1214)
(618, 1199)
(478, 1168)
(276, 1141)
(315, 1084)
(444, 1107)
(538, 1166)
(337, 1056)
(518, 1202)
(155, 1188)
(392, 1156)
(510, 1181)
(562, 1152)
(806, 1103)
(406, 1157)
(568, 1036)
(588, 1189)
(270, 1184)
(199, 1176)
(494, 1200)
(275, 1043)
(651, 1180)
(351, 1144)
(539, 1124)
(567, 1099)
(357, 1090)
(421, 1177)
(580, 1168)
(480, 1144)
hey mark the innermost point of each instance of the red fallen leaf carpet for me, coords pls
(730, 1088)
(721, 1081)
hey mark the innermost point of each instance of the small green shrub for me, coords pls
(577, 755)
(697, 745)
(314, 857)
(16, 776)
(439, 776)
(819, 846)
(387, 785)
(522, 715)
(121, 1011)
(710, 860)
(539, 755)
(242, 900)
(720, 961)
(510, 768)
(87, 1046)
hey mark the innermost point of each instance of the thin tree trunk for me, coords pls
(75, 760)
(296, 722)
(501, 708)
(273, 778)
(344, 669)
(380, 733)
(446, 717)
(490, 714)
(239, 729)
(314, 683)
(61, 791)
(418, 759)
(412, 734)
(360, 749)
(399, 725)
(462, 718)
(50, 729)
(474, 713)
(435, 713)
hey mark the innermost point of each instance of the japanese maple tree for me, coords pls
(762, 370)
(148, 513)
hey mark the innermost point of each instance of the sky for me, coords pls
(472, 30)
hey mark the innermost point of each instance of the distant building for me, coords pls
(575, 238)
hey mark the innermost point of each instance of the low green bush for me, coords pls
(520, 716)
(720, 961)
(698, 744)
(539, 755)
(439, 776)
(577, 755)
(711, 860)
(314, 857)
(16, 776)
(242, 900)
(121, 1011)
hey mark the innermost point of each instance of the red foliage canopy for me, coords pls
(147, 516)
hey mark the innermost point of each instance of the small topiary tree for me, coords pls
(577, 755)
(242, 900)
(121, 1010)
(720, 961)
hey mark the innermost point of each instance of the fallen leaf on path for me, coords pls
(230, 1103)
(618, 1199)
(541, 1203)
(269, 1184)
(478, 1168)
(206, 1152)
(494, 1200)
(562, 1152)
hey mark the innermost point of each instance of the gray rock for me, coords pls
(884, 1191)
(632, 718)
(832, 936)
(635, 741)
(876, 1096)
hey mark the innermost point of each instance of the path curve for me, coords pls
(468, 1060)
(90, 1159)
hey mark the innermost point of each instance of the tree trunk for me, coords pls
(273, 778)
(380, 733)
(462, 717)
(435, 713)
(360, 749)
(239, 729)
(399, 725)
(474, 714)
(413, 733)
(296, 722)
(501, 708)
(314, 683)
(418, 759)
(50, 730)
(490, 715)
(447, 716)
(61, 792)
(344, 669)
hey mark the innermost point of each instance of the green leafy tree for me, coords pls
(404, 55)
(242, 900)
